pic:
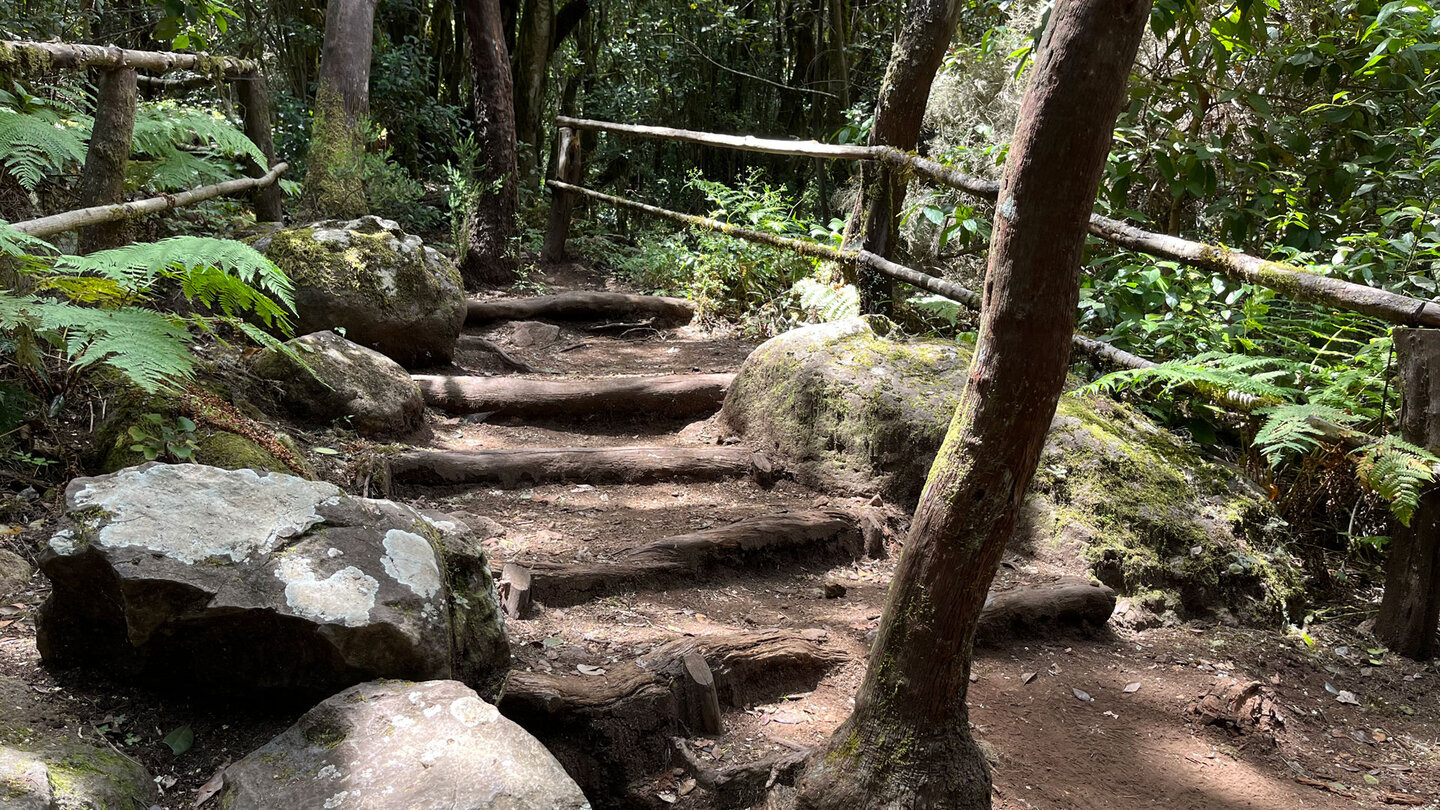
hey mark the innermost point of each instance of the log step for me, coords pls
(585, 465)
(673, 396)
(682, 558)
(581, 306)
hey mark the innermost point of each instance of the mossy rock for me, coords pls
(218, 448)
(383, 288)
(44, 764)
(342, 380)
(848, 409)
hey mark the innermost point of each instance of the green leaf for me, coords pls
(180, 740)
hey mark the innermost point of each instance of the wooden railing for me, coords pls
(102, 177)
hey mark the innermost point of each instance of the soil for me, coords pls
(1106, 722)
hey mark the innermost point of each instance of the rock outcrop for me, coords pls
(342, 380)
(46, 765)
(394, 746)
(383, 287)
(214, 578)
(847, 408)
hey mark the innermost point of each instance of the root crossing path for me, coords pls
(687, 622)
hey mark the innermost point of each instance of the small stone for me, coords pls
(834, 590)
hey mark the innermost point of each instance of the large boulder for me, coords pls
(396, 746)
(46, 763)
(343, 380)
(855, 407)
(190, 574)
(383, 287)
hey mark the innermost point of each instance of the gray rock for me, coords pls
(534, 334)
(344, 379)
(216, 578)
(382, 286)
(45, 765)
(847, 408)
(14, 572)
(402, 746)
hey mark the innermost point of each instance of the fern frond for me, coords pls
(194, 260)
(1398, 471)
(1288, 429)
(827, 302)
(166, 124)
(173, 169)
(36, 146)
(144, 346)
(1185, 374)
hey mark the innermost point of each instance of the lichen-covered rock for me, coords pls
(45, 765)
(344, 380)
(382, 286)
(15, 572)
(191, 574)
(396, 746)
(848, 409)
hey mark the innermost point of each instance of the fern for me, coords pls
(37, 146)
(1290, 429)
(1398, 471)
(165, 123)
(1206, 374)
(827, 302)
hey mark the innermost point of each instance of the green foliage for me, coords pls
(1290, 430)
(1398, 471)
(182, 147)
(40, 137)
(827, 302)
(98, 310)
(172, 440)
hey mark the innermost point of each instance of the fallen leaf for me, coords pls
(586, 669)
(1081, 694)
(1370, 780)
(1347, 698)
(1027, 677)
(667, 797)
(208, 790)
(326, 451)
(1132, 687)
(180, 740)
(1331, 689)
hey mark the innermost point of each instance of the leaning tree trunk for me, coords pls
(334, 177)
(925, 34)
(908, 744)
(487, 258)
(1410, 609)
(102, 181)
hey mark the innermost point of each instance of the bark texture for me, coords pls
(102, 182)
(1410, 608)
(487, 258)
(908, 744)
(925, 34)
(254, 96)
(334, 179)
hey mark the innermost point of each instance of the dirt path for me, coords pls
(1120, 749)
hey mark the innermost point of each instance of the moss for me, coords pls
(353, 267)
(232, 452)
(24, 62)
(334, 183)
(94, 777)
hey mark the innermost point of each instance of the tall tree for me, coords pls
(334, 181)
(925, 33)
(908, 744)
(487, 258)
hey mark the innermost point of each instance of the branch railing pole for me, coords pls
(1288, 279)
(562, 203)
(82, 217)
(23, 54)
(254, 96)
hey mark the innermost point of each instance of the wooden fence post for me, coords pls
(102, 181)
(1410, 608)
(254, 97)
(567, 170)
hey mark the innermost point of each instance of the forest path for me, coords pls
(1141, 748)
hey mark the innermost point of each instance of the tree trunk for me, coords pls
(334, 176)
(102, 181)
(488, 257)
(925, 34)
(531, 67)
(254, 94)
(908, 744)
(1410, 608)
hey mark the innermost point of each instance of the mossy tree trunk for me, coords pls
(925, 34)
(334, 177)
(1410, 609)
(488, 255)
(102, 181)
(908, 744)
